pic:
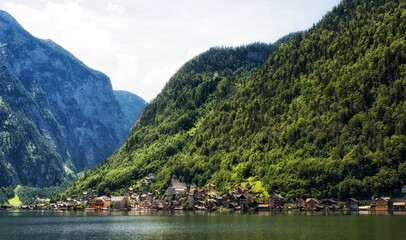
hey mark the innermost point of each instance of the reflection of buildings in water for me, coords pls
(364, 213)
(150, 212)
(382, 213)
(399, 213)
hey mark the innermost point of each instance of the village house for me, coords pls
(220, 201)
(352, 204)
(176, 206)
(230, 196)
(364, 208)
(200, 194)
(312, 203)
(162, 205)
(263, 207)
(242, 190)
(101, 202)
(382, 203)
(212, 195)
(177, 188)
(210, 203)
(210, 186)
(146, 204)
(329, 203)
(151, 177)
(233, 206)
(399, 205)
(275, 200)
(241, 198)
(119, 202)
(288, 204)
(300, 203)
(191, 192)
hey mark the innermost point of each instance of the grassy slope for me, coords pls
(15, 200)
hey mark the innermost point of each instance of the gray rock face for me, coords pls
(72, 107)
(131, 104)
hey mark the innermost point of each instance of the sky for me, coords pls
(140, 44)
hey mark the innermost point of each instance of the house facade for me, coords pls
(275, 200)
(312, 203)
(382, 203)
(352, 204)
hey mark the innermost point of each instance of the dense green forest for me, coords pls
(325, 116)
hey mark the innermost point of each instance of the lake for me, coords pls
(189, 225)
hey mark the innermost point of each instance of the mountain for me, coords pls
(324, 117)
(167, 123)
(131, 104)
(58, 117)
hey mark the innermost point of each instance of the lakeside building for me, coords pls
(275, 200)
(383, 203)
(352, 204)
(177, 188)
(312, 203)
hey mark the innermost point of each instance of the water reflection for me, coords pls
(150, 224)
(150, 212)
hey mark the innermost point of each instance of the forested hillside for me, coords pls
(168, 122)
(325, 116)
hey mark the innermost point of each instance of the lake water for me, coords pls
(189, 225)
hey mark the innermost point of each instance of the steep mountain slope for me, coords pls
(26, 156)
(131, 104)
(58, 116)
(324, 117)
(168, 122)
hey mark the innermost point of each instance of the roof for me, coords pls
(117, 198)
(263, 205)
(276, 195)
(386, 199)
(399, 203)
(176, 184)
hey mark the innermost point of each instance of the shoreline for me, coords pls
(152, 212)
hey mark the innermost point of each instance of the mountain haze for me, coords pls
(323, 117)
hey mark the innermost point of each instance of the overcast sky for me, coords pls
(140, 44)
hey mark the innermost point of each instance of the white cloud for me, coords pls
(116, 9)
(140, 44)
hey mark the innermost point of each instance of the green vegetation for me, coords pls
(6, 193)
(325, 116)
(29, 195)
(174, 116)
(15, 200)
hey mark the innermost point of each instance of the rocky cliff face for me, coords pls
(131, 104)
(70, 106)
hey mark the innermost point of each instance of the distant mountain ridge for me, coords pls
(53, 100)
(131, 104)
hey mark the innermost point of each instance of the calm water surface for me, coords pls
(138, 225)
